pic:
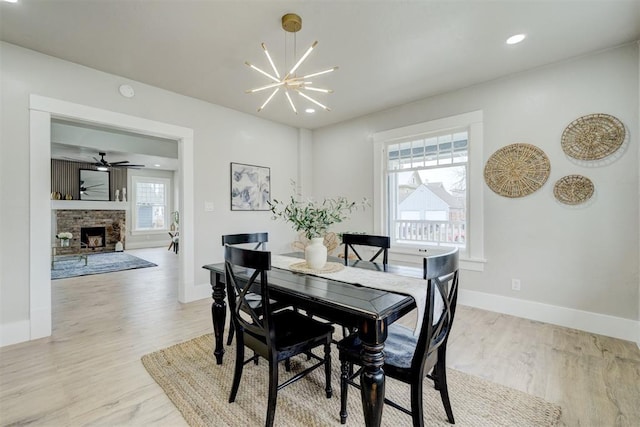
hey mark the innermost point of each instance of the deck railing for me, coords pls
(429, 231)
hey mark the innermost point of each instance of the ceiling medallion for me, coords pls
(291, 82)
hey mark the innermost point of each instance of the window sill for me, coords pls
(413, 256)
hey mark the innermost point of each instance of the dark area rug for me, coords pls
(65, 266)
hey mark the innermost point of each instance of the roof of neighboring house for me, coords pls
(438, 189)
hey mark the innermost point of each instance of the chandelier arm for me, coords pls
(266, 52)
(304, 95)
(293, 107)
(320, 72)
(272, 85)
(316, 89)
(301, 60)
(269, 99)
(262, 72)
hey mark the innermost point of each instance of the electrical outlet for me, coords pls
(208, 206)
(515, 284)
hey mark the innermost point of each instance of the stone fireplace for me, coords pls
(100, 230)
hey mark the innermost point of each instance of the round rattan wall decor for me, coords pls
(593, 137)
(573, 189)
(517, 170)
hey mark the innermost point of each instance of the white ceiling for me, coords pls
(389, 52)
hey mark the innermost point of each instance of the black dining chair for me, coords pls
(275, 336)
(258, 241)
(381, 242)
(409, 358)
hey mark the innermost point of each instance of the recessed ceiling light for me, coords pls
(157, 166)
(11, 1)
(310, 110)
(516, 38)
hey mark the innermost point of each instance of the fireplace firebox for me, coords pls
(93, 237)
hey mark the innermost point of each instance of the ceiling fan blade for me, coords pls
(117, 163)
(126, 166)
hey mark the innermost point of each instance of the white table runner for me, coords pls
(416, 288)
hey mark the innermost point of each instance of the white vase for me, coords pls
(315, 254)
(64, 242)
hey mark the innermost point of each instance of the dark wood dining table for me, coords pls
(369, 310)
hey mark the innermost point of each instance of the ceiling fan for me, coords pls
(102, 164)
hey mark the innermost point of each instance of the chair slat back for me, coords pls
(260, 239)
(381, 242)
(441, 272)
(257, 263)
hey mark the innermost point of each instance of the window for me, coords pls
(427, 189)
(150, 203)
(428, 186)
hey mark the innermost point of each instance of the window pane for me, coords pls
(150, 204)
(427, 203)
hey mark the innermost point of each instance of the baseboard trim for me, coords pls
(14, 332)
(198, 292)
(596, 323)
(626, 329)
(147, 244)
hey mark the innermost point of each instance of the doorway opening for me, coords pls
(42, 111)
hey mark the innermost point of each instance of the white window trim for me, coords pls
(134, 211)
(473, 257)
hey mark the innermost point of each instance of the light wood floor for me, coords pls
(89, 371)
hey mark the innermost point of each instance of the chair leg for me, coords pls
(238, 372)
(327, 368)
(287, 364)
(273, 393)
(232, 330)
(417, 413)
(345, 369)
(441, 372)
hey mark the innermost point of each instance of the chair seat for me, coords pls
(294, 330)
(398, 347)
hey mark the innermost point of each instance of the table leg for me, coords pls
(372, 378)
(218, 314)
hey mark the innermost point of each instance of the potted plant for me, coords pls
(64, 237)
(314, 219)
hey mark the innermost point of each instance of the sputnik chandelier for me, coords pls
(291, 82)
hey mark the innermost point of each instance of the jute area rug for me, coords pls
(200, 390)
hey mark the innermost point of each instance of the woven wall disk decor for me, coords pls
(593, 137)
(517, 170)
(573, 189)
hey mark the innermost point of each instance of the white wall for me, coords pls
(221, 136)
(580, 264)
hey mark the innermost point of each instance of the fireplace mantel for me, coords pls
(88, 205)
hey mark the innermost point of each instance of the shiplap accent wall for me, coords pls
(65, 178)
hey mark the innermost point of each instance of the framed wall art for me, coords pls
(94, 185)
(250, 187)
